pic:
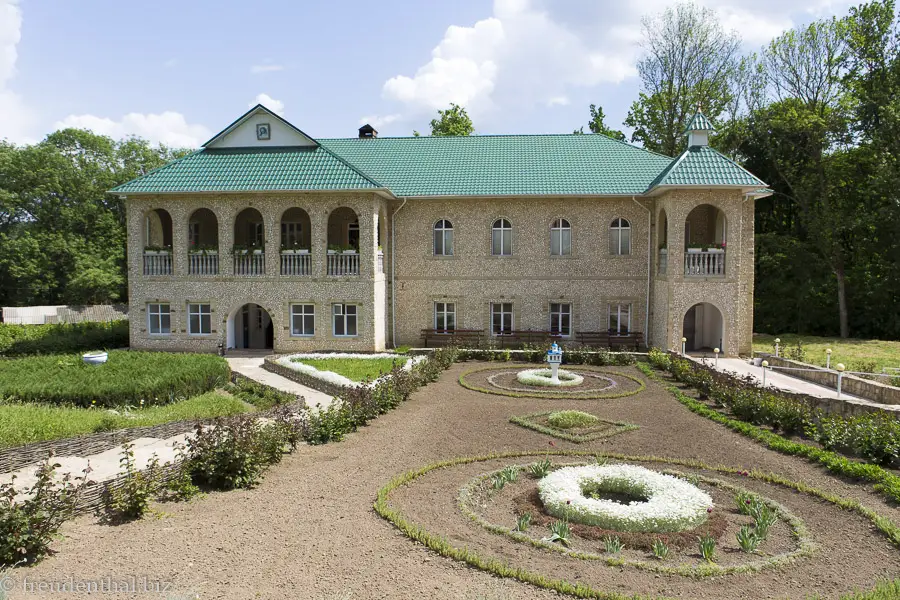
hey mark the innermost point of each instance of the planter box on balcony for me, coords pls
(716, 251)
(349, 252)
(203, 252)
(258, 251)
(157, 252)
(332, 252)
(694, 250)
(295, 251)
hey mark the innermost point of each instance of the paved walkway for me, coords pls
(777, 378)
(251, 367)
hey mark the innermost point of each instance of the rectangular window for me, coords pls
(303, 319)
(290, 234)
(255, 235)
(344, 316)
(445, 316)
(501, 318)
(159, 319)
(561, 319)
(199, 319)
(353, 235)
(194, 234)
(619, 318)
(501, 242)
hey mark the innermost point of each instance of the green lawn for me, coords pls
(355, 369)
(851, 352)
(25, 423)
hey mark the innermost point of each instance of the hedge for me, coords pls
(61, 338)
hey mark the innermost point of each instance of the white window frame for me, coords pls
(443, 310)
(196, 309)
(444, 229)
(194, 234)
(307, 310)
(344, 317)
(616, 227)
(616, 309)
(157, 316)
(501, 227)
(563, 309)
(504, 316)
(256, 234)
(559, 227)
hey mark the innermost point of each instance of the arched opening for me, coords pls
(705, 240)
(203, 242)
(158, 242)
(249, 243)
(662, 238)
(296, 240)
(343, 242)
(343, 230)
(704, 328)
(251, 328)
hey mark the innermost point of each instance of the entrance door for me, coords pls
(690, 329)
(245, 322)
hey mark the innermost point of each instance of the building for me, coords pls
(268, 238)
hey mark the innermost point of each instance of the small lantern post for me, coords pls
(717, 350)
(684, 346)
(828, 358)
(840, 369)
(765, 365)
(777, 346)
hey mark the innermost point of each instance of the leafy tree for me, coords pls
(452, 122)
(597, 125)
(689, 61)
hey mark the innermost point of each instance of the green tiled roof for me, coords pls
(699, 122)
(503, 165)
(244, 169)
(701, 165)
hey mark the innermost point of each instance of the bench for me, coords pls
(436, 338)
(615, 341)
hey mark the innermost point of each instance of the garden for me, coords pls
(621, 479)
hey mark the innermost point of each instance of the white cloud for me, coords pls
(558, 101)
(172, 62)
(276, 106)
(377, 121)
(16, 116)
(257, 69)
(169, 128)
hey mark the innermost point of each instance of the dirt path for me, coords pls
(309, 531)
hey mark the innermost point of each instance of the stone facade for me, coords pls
(590, 279)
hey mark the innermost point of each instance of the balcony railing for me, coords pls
(343, 264)
(663, 262)
(203, 264)
(710, 263)
(250, 264)
(379, 262)
(157, 263)
(297, 265)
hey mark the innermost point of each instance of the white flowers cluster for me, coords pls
(334, 378)
(672, 504)
(542, 377)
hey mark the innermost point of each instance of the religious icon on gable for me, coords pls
(263, 132)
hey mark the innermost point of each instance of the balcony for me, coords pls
(663, 262)
(704, 263)
(250, 265)
(343, 264)
(157, 263)
(206, 263)
(296, 264)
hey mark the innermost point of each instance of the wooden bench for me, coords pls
(616, 341)
(436, 338)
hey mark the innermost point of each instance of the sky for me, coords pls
(179, 72)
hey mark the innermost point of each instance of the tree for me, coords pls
(452, 122)
(597, 125)
(689, 61)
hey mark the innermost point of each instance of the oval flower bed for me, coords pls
(346, 363)
(655, 502)
(541, 377)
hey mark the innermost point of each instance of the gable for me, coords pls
(243, 132)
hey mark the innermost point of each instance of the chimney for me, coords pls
(367, 132)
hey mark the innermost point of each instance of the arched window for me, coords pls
(620, 237)
(560, 238)
(501, 238)
(443, 238)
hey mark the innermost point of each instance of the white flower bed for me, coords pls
(542, 377)
(672, 504)
(335, 378)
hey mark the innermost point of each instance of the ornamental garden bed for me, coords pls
(577, 431)
(333, 372)
(518, 380)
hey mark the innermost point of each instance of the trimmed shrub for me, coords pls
(127, 379)
(62, 338)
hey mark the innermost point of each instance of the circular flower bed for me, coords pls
(650, 501)
(542, 377)
(598, 383)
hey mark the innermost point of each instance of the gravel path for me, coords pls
(309, 531)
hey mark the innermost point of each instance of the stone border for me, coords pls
(501, 568)
(270, 364)
(799, 533)
(526, 422)
(570, 394)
